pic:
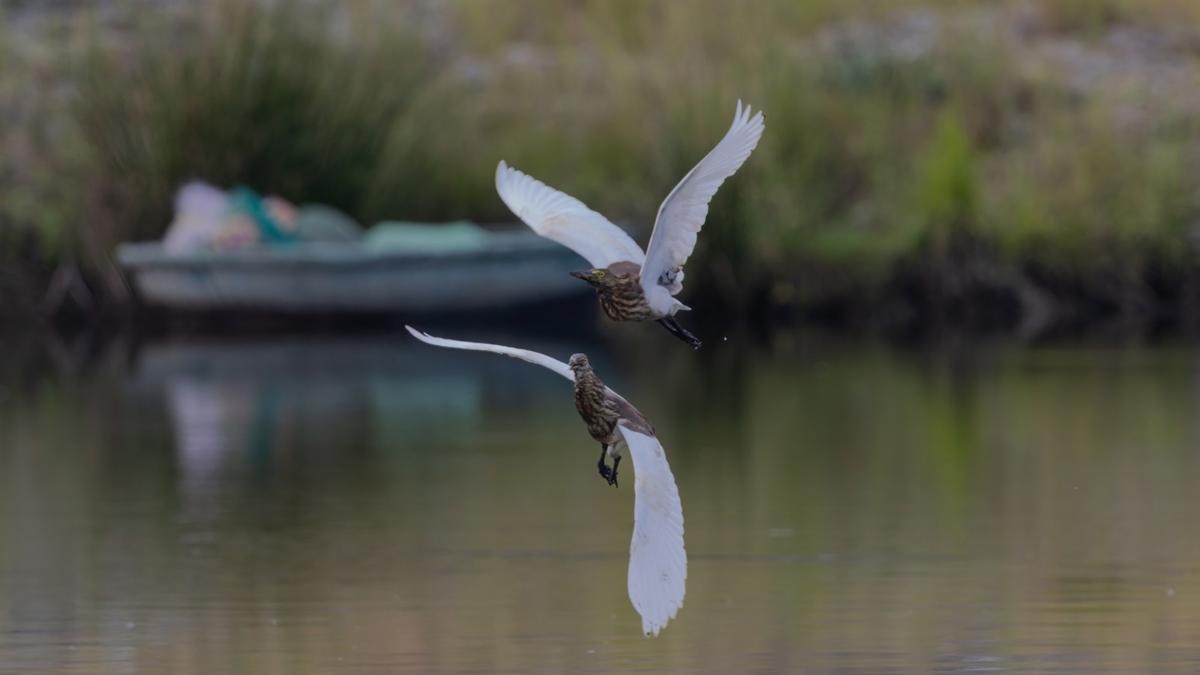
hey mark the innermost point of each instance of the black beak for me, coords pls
(586, 276)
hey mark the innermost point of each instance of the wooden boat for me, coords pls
(418, 274)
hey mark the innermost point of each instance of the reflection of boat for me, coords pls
(251, 400)
(307, 361)
(493, 269)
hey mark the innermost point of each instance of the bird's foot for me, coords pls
(608, 473)
(680, 332)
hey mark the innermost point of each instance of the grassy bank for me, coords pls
(950, 158)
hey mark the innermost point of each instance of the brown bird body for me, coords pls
(601, 408)
(622, 297)
(620, 292)
(598, 412)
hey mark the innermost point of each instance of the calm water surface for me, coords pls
(291, 505)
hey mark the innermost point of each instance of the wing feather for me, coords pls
(560, 217)
(657, 559)
(682, 213)
(523, 354)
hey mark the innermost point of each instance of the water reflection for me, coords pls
(308, 504)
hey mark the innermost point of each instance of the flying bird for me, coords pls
(657, 559)
(632, 285)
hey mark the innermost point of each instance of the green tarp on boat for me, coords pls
(454, 237)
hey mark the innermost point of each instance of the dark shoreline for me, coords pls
(906, 317)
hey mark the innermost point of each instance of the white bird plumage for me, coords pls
(683, 212)
(562, 218)
(657, 558)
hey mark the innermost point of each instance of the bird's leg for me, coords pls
(679, 331)
(613, 480)
(605, 472)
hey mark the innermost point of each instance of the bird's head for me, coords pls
(578, 362)
(595, 278)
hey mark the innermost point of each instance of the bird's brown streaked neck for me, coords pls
(591, 401)
(585, 377)
(591, 394)
(620, 291)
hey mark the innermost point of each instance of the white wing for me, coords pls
(560, 217)
(523, 354)
(683, 212)
(657, 559)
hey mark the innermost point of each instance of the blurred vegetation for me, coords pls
(936, 155)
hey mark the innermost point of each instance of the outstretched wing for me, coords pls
(657, 559)
(683, 212)
(523, 354)
(560, 217)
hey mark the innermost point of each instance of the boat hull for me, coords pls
(345, 278)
